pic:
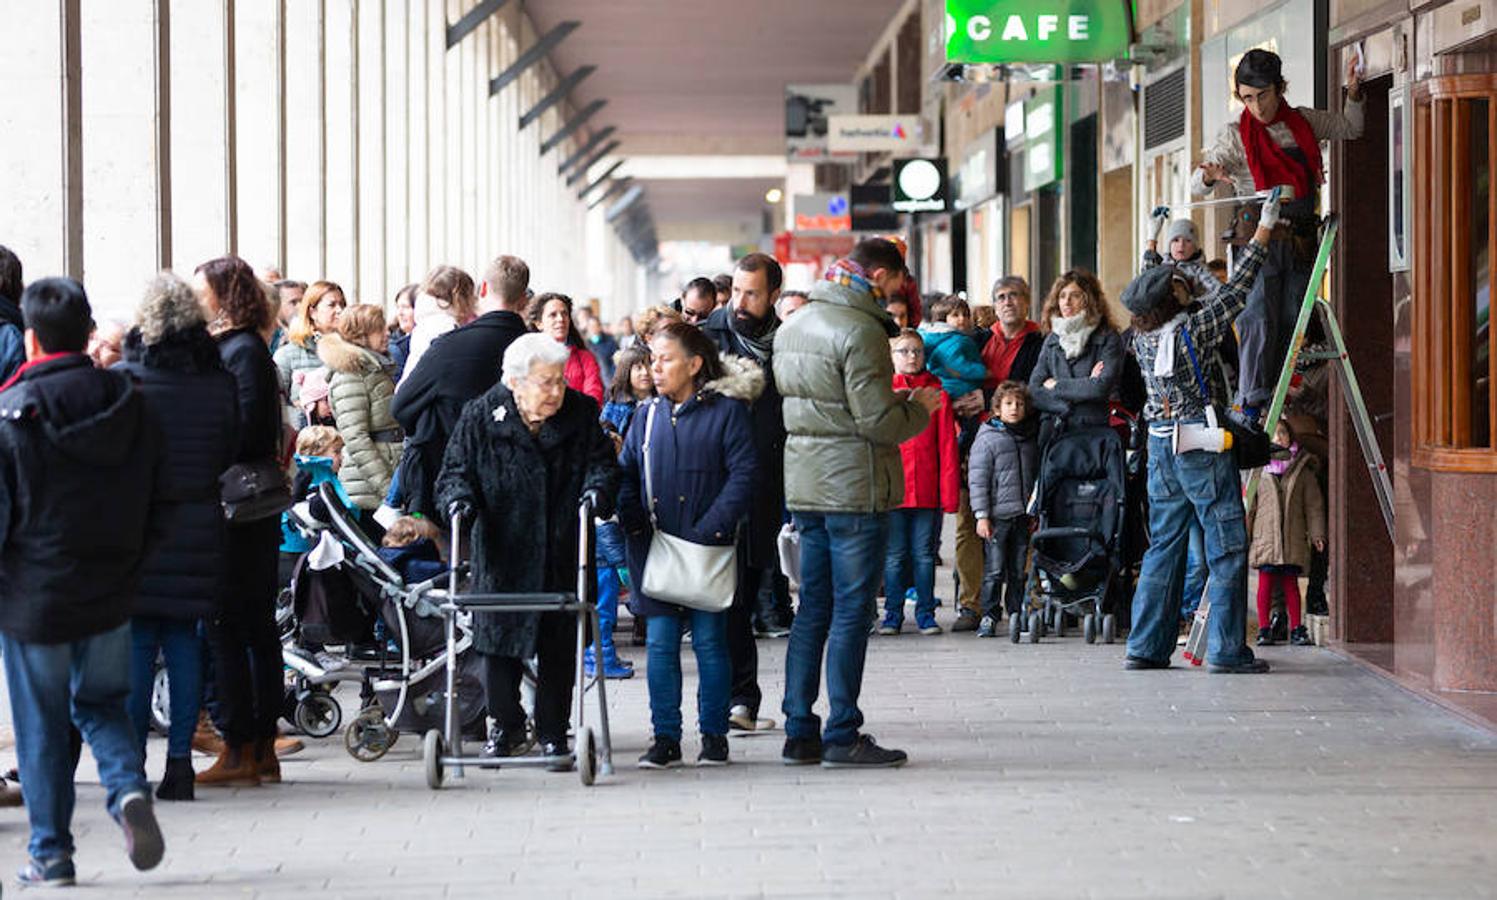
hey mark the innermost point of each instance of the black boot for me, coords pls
(177, 783)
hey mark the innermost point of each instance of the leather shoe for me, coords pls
(1135, 663)
(1252, 667)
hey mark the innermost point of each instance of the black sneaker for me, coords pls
(1137, 663)
(1300, 637)
(1253, 667)
(1265, 637)
(987, 628)
(49, 873)
(504, 745)
(966, 620)
(714, 750)
(664, 753)
(801, 751)
(143, 843)
(864, 753)
(559, 754)
(1280, 627)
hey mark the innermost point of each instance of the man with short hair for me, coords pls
(723, 288)
(12, 346)
(698, 301)
(790, 302)
(843, 472)
(80, 503)
(746, 328)
(459, 366)
(290, 293)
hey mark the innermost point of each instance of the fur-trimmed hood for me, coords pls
(344, 356)
(742, 379)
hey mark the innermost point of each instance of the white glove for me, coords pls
(1159, 219)
(1269, 216)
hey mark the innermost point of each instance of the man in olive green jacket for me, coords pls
(843, 473)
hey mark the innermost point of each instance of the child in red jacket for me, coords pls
(932, 482)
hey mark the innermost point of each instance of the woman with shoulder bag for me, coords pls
(245, 643)
(689, 467)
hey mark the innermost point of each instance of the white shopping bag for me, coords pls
(789, 544)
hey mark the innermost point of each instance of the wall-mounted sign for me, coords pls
(1046, 31)
(791, 247)
(920, 185)
(807, 110)
(1044, 150)
(820, 212)
(873, 208)
(875, 134)
(977, 178)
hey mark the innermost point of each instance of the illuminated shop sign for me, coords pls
(1036, 31)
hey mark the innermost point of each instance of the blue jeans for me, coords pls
(53, 686)
(178, 641)
(1195, 571)
(709, 640)
(1203, 488)
(910, 561)
(839, 567)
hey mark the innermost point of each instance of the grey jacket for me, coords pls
(844, 421)
(1002, 469)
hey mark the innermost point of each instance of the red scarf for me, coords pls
(1271, 164)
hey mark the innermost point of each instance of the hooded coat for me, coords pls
(525, 490)
(360, 393)
(955, 358)
(190, 396)
(767, 511)
(932, 464)
(82, 472)
(704, 465)
(1004, 465)
(844, 421)
(1288, 517)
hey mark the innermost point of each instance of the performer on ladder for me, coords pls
(1192, 472)
(1274, 144)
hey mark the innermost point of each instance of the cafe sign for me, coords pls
(1037, 31)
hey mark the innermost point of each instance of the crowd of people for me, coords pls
(145, 466)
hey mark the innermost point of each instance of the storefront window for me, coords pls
(1455, 244)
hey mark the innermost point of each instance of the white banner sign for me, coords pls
(875, 134)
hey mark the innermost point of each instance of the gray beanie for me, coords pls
(1182, 228)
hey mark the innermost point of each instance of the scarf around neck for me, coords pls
(756, 335)
(1271, 164)
(1073, 333)
(1164, 353)
(1280, 466)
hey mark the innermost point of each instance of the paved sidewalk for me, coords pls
(1036, 772)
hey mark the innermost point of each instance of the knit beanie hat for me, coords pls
(1182, 228)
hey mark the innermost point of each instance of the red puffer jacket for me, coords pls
(932, 470)
(583, 374)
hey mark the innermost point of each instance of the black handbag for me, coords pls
(254, 491)
(1251, 448)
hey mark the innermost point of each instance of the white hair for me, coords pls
(529, 350)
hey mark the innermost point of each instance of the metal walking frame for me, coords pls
(591, 753)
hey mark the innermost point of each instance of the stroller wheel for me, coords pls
(1015, 626)
(1034, 627)
(368, 737)
(1060, 622)
(1109, 628)
(431, 752)
(587, 756)
(1089, 628)
(318, 715)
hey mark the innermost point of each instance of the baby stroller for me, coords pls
(1077, 549)
(402, 689)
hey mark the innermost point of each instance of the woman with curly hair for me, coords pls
(242, 635)
(1081, 360)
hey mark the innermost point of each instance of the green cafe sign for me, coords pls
(1036, 31)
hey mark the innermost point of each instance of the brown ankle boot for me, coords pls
(267, 764)
(235, 767)
(206, 739)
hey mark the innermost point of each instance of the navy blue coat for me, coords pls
(193, 398)
(704, 464)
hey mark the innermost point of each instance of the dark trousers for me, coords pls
(556, 656)
(1003, 566)
(774, 606)
(1266, 323)
(743, 653)
(246, 648)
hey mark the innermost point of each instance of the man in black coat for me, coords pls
(746, 328)
(81, 469)
(458, 367)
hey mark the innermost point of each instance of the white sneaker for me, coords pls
(740, 719)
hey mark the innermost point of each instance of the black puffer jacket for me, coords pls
(459, 366)
(80, 471)
(525, 490)
(191, 397)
